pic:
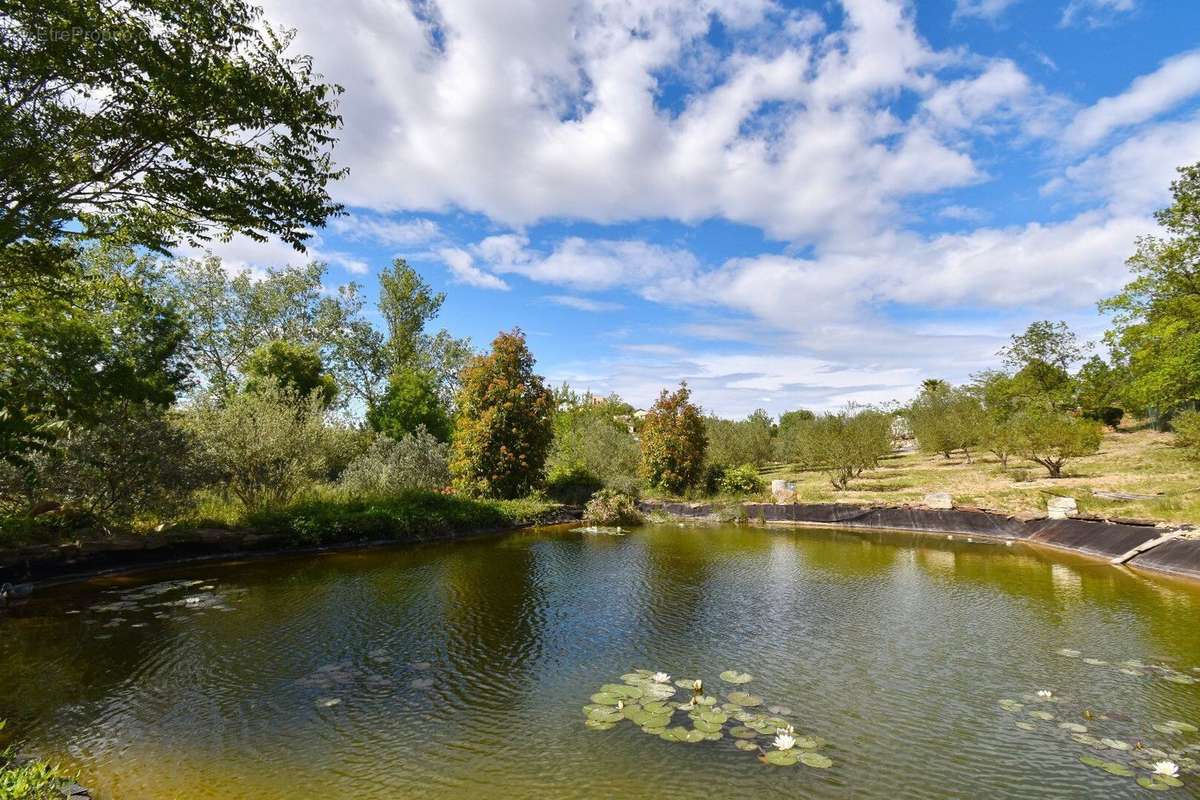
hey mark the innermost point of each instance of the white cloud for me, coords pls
(583, 303)
(983, 9)
(462, 267)
(1095, 13)
(527, 110)
(1148, 96)
(359, 226)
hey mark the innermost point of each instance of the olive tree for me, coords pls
(1051, 438)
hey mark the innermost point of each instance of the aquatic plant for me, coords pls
(652, 703)
(1168, 768)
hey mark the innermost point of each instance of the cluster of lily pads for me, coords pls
(1155, 765)
(376, 674)
(164, 600)
(682, 711)
(1138, 669)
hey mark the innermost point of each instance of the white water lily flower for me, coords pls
(788, 731)
(1168, 768)
(620, 705)
(785, 741)
(662, 677)
(697, 685)
(1044, 693)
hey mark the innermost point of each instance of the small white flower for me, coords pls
(785, 741)
(697, 685)
(1168, 768)
(1045, 694)
(788, 731)
(662, 677)
(620, 705)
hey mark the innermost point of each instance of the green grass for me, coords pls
(30, 780)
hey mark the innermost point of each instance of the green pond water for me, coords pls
(463, 669)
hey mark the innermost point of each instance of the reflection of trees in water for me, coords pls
(852, 555)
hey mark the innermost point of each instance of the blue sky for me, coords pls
(785, 204)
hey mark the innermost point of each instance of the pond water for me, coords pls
(462, 670)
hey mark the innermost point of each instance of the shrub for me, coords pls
(1051, 438)
(673, 442)
(593, 438)
(266, 445)
(504, 427)
(1109, 415)
(612, 507)
(1187, 433)
(417, 461)
(741, 480)
(572, 483)
(135, 463)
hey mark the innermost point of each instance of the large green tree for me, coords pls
(101, 332)
(410, 402)
(293, 367)
(505, 422)
(1042, 358)
(1156, 317)
(165, 120)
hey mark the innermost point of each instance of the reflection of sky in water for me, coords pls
(460, 669)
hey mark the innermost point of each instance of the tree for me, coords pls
(72, 346)
(293, 367)
(410, 402)
(593, 444)
(504, 425)
(417, 460)
(164, 121)
(673, 442)
(1042, 358)
(732, 443)
(1051, 438)
(945, 419)
(1156, 322)
(266, 445)
(847, 443)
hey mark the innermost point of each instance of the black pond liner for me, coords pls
(1096, 538)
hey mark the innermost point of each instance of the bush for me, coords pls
(417, 461)
(673, 442)
(612, 507)
(1051, 438)
(1187, 433)
(741, 480)
(572, 483)
(135, 463)
(266, 445)
(591, 439)
(504, 427)
(1109, 415)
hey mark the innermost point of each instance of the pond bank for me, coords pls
(1095, 538)
(44, 564)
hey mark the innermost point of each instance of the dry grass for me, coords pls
(1137, 461)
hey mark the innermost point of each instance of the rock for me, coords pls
(939, 500)
(1061, 507)
(783, 491)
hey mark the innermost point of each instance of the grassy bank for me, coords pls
(1131, 461)
(322, 515)
(29, 780)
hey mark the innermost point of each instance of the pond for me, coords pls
(910, 665)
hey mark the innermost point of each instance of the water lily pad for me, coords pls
(714, 717)
(622, 690)
(1176, 677)
(1174, 728)
(742, 744)
(1026, 726)
(1089, 740)
(1011, 705)
(1183, 727)
(816, 760)
(1116, 744)
(657, 707)
(596, 725)
(685, 683)
(782, 758)
(328, 702)
(1042, 715)
(1153, 783)
(808, 742)
(1096, 662)
(706, 727)
(1113, 768)
(605, 699)
(733, 676)
(1068, 652)
(742, 732)
(745, 699)
(783, 711)
(1092, 761)
(1074, 727)
(605, 715)
(1133, 672)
